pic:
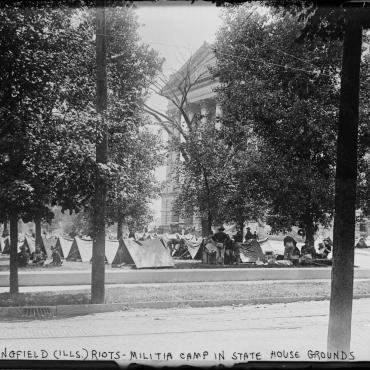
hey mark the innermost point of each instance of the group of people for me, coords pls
(38, 257)
(308, 251)
(227, 250)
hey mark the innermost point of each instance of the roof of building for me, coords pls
(197, 66)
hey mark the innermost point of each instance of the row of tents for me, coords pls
(147, 253)
(142, 254)
(29, 244)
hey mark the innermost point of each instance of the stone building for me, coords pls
(201, 99)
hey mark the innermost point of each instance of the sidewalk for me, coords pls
(165, 337)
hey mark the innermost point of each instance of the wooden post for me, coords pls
(98, 258)
(339, 331)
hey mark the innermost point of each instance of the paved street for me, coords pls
(175, 334)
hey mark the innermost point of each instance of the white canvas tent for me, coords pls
(63, 246)
(29, 243)
(6, 245)
(81, 249)
(148, 253)
(47, 244)
(111, 249)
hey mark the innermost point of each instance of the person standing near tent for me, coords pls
(221, 239)
(255, 236)
(38, 257)
(291, 252)
(325, 248)
(23, 257)
(209, 250)
(308, 249)
(248, 235)
(238, 239)
(55, 255)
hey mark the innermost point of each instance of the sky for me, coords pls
(176, 31)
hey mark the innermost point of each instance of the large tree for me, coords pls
(345, 24)
(130, 194)
(278, 88)
(38, 46)
(49, 123)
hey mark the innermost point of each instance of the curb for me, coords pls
(45, 278)
(62, 311)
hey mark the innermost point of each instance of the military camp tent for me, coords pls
(47, 244)
(63, 246)
(29, 244)
(6, 245)
(193, 246)
(112, 252)
(251, 252)
(81, 250)
(361, 243)
(148, 253)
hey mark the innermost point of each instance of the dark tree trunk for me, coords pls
(5, 229)
(13, 279)
(310, 230)
(119, 227)
(209, 221)
(241, 225)
(98, 258)
(339, 332)
(206, 224)
(38, 240)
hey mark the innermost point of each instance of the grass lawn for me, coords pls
(129, 294)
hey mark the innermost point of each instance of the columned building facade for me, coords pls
(201, 100)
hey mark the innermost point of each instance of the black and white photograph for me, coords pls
(184, 183)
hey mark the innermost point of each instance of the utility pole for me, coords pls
(99, 207)
(339, 333)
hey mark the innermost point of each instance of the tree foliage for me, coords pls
(287, 94)
(49, 123)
